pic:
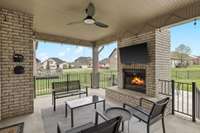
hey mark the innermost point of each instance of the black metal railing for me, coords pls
(198, 103)
(165, 87)
(183, 96)
(189, 74)
(107, 79)
(43, 84)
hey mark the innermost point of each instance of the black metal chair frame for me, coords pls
(93, 127)
(58, 93)
(152, 117)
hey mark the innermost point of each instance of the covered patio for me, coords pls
(91, 24)
(34, 122)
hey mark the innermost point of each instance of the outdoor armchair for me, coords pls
(152, 115)
(108, 126)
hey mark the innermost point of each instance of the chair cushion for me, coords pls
(138, 114)
(64, 129)
(69, 93)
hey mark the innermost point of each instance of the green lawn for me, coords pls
(186, 75)
(43, 86)
(190, 68)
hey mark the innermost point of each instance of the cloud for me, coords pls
(79, 50)
(62, 54)
(42, 56)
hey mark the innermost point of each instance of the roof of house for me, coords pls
(173, 55)
(103, 61)
(80, 59)
(57, 60)
(38, 61)
(114, 50)
(195, 57)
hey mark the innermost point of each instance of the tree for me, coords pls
(182, 53)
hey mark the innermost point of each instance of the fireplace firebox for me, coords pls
(134, 79)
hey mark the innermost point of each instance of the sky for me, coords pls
(187, 34)
(69, 52)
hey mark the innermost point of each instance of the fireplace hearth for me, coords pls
(134, 79)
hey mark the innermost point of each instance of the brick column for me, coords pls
(0, 61)
(95, 71)
(16, 89)
(35, 43)
(162, 56)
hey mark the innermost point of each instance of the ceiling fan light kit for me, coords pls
(90, 12)
(89, 20)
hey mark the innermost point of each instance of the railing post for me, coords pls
(193, 101)
(90, 80)
(113, 80)
(188, 75)
(173, 95)
(34, 85)
(67, 77)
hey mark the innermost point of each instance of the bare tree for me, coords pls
(182, 53)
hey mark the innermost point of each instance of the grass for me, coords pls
(190, 68)
(186, 75)
(84, 75)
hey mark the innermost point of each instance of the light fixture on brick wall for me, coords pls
(5, 19)
(195, 22)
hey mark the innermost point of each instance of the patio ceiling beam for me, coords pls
(61, 39)
(173, 18)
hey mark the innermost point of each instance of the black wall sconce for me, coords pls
(18, 58)
(19, 70)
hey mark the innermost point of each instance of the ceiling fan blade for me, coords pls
(90, 10)
(75, 22)
(102, 25)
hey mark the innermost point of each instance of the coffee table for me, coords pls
(85, 101)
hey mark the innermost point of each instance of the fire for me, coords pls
(137, 81)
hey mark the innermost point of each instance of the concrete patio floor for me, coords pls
(34, 122)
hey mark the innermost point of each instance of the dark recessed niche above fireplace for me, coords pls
(135, 54)
(134, 79)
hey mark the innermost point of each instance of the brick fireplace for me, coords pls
(157, 67)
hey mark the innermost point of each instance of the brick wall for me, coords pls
(0, 87)
(162, 55)
(16, 97)
(158, 65)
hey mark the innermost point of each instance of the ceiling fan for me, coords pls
(90, 12)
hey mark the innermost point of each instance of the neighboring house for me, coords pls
(38, 64)
(196, 60)
(83, 62)
(176, 62)
(72, 65)
(104, 63)
(113, 59)
(54, 63)
(110, 62)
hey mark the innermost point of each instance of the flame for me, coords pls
(137, 81)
